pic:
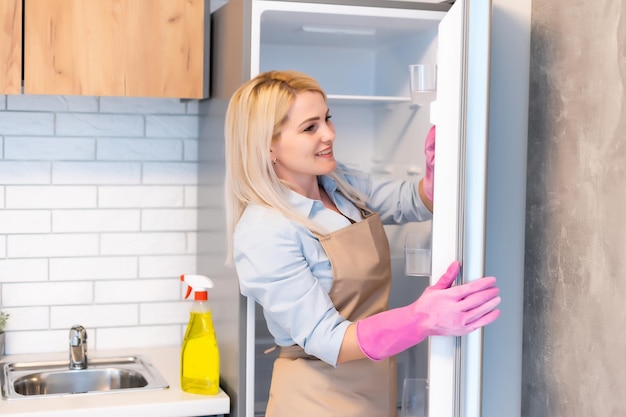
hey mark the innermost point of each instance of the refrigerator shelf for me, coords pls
(368, 99)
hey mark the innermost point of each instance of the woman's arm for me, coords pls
(442, 310)
(350, 349)
(283, 268)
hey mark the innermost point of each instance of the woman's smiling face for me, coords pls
(304, 148)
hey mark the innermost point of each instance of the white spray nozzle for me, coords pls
(197, 283)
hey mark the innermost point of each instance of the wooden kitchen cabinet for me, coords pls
(136, 48)
(10, 46)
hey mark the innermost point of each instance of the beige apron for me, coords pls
(304, 386)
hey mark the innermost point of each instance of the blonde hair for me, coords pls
(256, 113)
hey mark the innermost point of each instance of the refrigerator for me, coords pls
(360, 53)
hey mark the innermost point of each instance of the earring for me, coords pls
(274, 161)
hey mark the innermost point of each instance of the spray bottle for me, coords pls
(200, 357)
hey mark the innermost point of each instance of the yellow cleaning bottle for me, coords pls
(199, 357)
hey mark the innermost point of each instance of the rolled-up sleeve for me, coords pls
(396, 201)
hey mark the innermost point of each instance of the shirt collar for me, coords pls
(308, 207)
(329, 184)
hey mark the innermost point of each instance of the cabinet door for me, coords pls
(11, 46)
(117, 47)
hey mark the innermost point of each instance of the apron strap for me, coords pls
(295, 352)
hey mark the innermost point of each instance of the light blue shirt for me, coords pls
(283, 267)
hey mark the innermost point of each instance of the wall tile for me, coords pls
(129, 105)
(140, 196)
(21, 172)
(20, 221)
(94, 268)
(170, 173)
(192, 242)
(166, 266)
(137, 337)
(140, 290)
(48, 196)
(28, 318)
(78, 174)
(191, 196)
(16, 270)
(168, 219)
(191, 150)
(172, 126)
(95, 220)
(52, 103)
(165, 313)
(41, 341)
(142, 243)
(40, 246)
(46, 293)
(22, 123)
(87, 124)
(90, 316)
(140, 150)
(96, 173)
(49, 148)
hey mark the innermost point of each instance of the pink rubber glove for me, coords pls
(429, 176)
(441, 310)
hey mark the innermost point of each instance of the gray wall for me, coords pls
(574, 308)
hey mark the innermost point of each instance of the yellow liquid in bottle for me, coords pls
(200, 358)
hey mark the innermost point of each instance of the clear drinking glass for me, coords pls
(423, 83)
(414, 398)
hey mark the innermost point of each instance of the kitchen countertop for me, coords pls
(171, 402)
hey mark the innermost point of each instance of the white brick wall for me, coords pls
(98, 218)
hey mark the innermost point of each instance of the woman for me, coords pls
(308, 244)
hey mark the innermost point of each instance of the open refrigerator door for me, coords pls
(461, 116)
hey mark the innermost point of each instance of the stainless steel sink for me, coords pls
(103, 375)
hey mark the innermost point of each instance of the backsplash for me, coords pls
(98, 207)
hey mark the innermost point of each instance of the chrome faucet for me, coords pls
(78, 347)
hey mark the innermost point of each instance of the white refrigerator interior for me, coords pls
(361, 57)
(361, 54)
